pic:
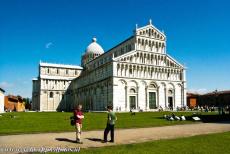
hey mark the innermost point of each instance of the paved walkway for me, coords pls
(122, 136)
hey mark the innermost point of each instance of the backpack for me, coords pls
(72, 120)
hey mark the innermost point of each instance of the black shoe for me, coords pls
(112, 141)
(104, 141)
(78, 141)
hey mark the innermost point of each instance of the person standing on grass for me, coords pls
(110, 124)
(78, 115)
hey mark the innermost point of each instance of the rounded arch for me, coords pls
(153, 84)
(142, 42)
(146, 42)
(139, 40)
(132, 90)
(133, 83)
(144, 83)
(170, 92)
(179, 85)
(123, 82)
(51, 94)
(171, 86)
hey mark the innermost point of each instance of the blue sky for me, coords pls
(58, 31)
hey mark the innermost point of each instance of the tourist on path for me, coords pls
(78, 115)
(110, 124)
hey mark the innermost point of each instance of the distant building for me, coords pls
(2, 100)
(137, 73)
(14, 103)
(215, 98)
(192, 100)
(50, 86)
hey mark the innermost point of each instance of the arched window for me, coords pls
(130, 71)
(181, 76)
(132, 90)
(152, 85)
(48, 71)
(57, 71)
(170, 92)
(51, 94)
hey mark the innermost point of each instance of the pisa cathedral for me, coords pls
(135, 74)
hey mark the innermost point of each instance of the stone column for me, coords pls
(185, 87)
(146, 98)
(158, 96)
(174, 99)
(166, 97)
(126, 99)
(137, 96)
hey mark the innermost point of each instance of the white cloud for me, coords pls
(48, 45)
(5, 85)
(198, 91)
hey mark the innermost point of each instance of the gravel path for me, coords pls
(122, 136)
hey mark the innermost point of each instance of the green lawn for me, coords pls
(34, 122)
(202, 144)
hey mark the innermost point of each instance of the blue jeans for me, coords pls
(107, 129)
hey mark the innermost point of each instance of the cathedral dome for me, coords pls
(94, 48)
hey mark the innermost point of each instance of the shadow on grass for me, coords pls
(65, 140)
(214, 118)
(95, 139)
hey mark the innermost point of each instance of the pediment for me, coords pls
(150, 31)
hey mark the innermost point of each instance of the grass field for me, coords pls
(202, 144)
(35, 122)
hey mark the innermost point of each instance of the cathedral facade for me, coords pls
(135, 74)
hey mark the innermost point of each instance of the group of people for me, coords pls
(173, 117)
(206, 108)
(111, 118)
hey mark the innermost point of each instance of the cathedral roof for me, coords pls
(94, 48)
(60, 65)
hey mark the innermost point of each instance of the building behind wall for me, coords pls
(14, 103)
(192, 100)
(215, 98)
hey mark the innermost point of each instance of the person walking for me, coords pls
(78, 115)
(110, 124)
